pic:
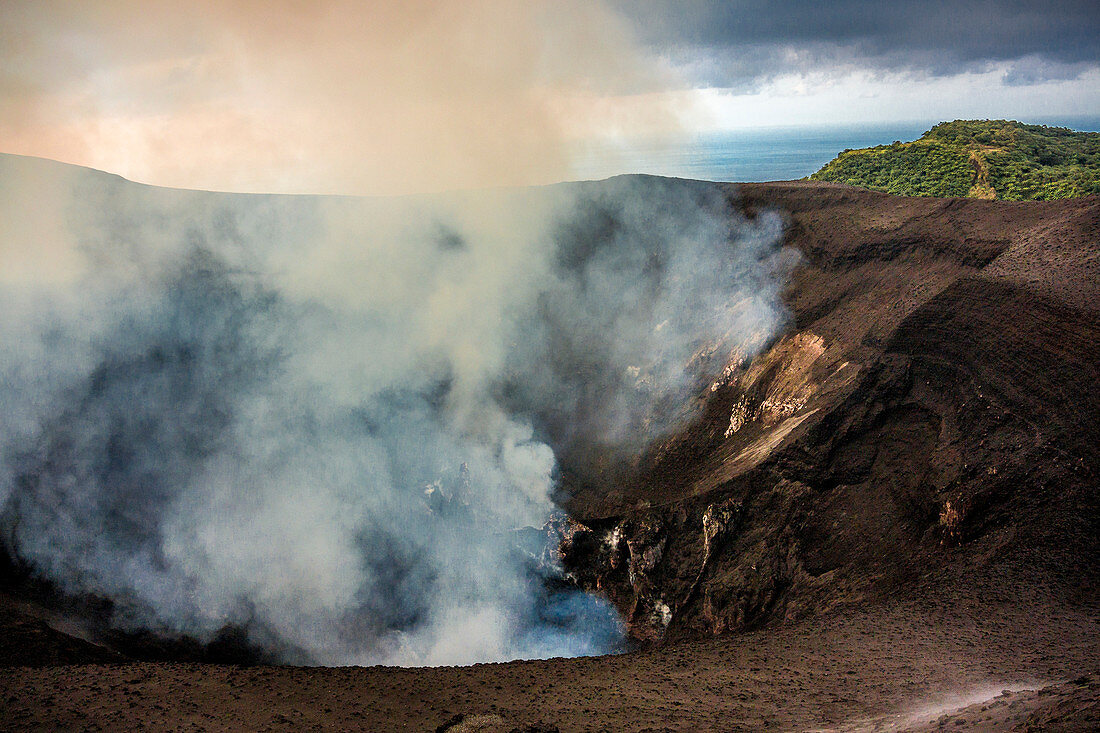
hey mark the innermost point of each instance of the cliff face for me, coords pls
(931, 414)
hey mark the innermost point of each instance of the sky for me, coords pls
(336, 96)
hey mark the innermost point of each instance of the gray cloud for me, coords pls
(1037, 69)
(742, 42)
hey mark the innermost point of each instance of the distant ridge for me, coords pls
(989, 159)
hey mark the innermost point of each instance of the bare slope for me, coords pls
(933, 405)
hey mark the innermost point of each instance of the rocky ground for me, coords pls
(887, 521)
(920, 664)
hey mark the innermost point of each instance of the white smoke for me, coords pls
(321, 420)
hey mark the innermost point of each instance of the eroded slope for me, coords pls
(933, 406)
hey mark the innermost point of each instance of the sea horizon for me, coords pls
(750, 155)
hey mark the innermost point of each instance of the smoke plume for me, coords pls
(327, 96)
(323, 420)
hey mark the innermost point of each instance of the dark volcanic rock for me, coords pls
(934, 404)
(450, 723)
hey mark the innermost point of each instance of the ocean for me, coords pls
(762, 154)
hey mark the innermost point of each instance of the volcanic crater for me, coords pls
(886, 520)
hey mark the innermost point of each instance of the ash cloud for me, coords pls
(323, 420)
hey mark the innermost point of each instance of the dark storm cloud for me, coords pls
(735, 43)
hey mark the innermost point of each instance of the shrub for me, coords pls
(1012, 160)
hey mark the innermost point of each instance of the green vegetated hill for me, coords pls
(979, 159)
